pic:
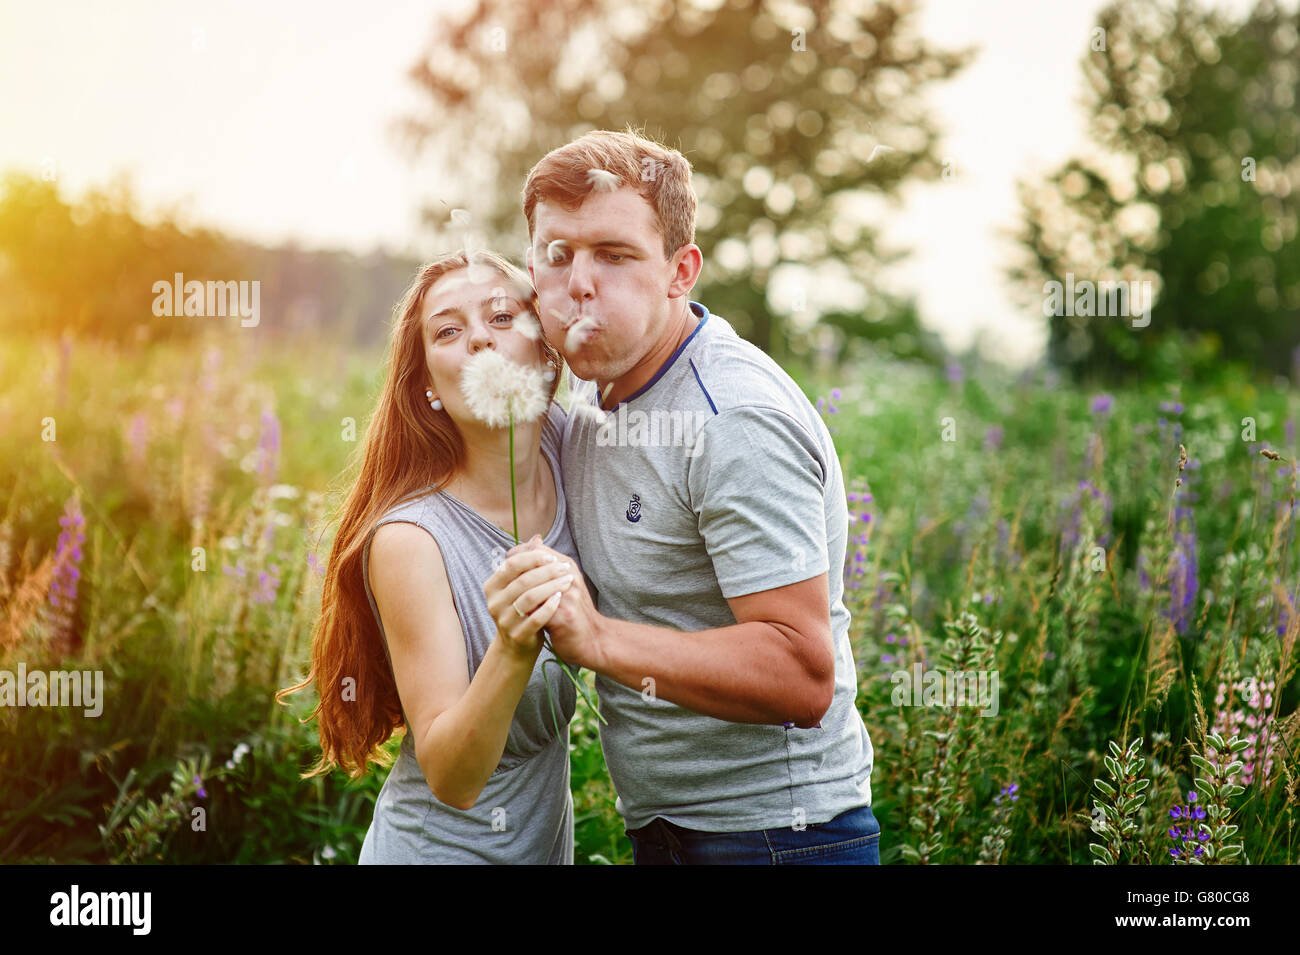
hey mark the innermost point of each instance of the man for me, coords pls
(709, 513)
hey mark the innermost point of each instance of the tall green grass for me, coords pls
(1010, 529)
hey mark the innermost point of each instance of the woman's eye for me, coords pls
(445, 328)
(509, 316)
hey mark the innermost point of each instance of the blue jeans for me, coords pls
(851, 838)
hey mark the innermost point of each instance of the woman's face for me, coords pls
(466, 311)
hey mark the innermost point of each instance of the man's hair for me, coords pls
(662, 176)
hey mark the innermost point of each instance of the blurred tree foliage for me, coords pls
(779, 107)
(1193, 184)
(86, 268)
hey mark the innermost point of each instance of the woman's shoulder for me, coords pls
(415, 509)
(553, 426)
(426, 510)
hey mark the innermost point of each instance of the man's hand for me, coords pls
(574, 626)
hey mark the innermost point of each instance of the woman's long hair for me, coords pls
(409, 449)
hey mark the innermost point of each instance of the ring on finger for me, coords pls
(522, 615)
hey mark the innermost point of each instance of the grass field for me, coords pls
(159, 520)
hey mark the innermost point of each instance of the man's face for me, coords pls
(602, 265)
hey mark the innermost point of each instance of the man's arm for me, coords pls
(776, 664)
(757, 486)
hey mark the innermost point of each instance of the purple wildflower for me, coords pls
(268, 582)
(67, 566)
(137, 436)
(1101, 404)
(268, 447)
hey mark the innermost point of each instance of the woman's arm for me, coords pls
(459, 726)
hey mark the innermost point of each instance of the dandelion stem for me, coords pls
(514, 506)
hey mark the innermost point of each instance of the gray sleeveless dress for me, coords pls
(525, 813)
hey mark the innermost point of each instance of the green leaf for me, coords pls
(1101, 852)
(1230, 852)
(1203, 764)
(1104, 786)
(1112, 767)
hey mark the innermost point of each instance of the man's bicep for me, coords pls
(757, 487)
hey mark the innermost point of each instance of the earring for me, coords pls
(434, 403)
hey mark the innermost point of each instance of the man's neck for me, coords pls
(678, 329)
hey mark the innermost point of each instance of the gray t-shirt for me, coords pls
(525, 812)
(716, 479)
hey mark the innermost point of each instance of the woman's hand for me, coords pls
(522, 605)
(574, 626)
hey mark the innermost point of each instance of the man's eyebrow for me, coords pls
(599, 243)
(485, 303)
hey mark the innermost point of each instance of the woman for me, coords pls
(405, 636)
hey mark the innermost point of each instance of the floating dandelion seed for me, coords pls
(585, 409)
(605, 394)
(500, 392)
(555, 250)
(584, 401)
(528, 326)
(577, 335)
(602, 181)
(480, 273)
(459, 217)
(879, 150)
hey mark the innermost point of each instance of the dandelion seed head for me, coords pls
(496, 389)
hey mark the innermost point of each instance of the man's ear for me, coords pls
(528, 259)
(690, 262)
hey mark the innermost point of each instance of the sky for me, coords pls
(273, 122)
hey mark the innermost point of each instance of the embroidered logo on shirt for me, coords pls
(634, 508)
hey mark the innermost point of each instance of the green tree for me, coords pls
(1192, 183)
(87, 268)
(780, 108)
